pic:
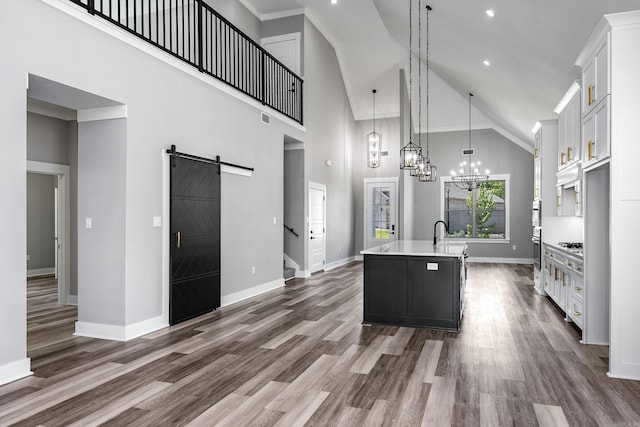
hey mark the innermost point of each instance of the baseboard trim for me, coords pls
(41, 271)
(624, 377)
(500, 260)
(338, 263)
(302, 274)
(251, 292)
(119, 333)
(359, 257)
(13, 371)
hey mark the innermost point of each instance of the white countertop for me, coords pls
(444, 248)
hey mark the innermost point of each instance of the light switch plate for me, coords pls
(432, 266)
(157, 221)
(87, 223)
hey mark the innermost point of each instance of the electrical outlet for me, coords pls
(253, 270)
(28, 257)
(514, 247)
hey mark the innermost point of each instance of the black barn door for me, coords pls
(195, 238)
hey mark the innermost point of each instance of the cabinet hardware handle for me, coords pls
(568, 154)
(577, 288)
(562, 162)
(591, 94)
(178, 236)
(577, 313)
(546, 283)
(564, 276)
(558, 203)
(590, 150)
(567, 263)
(555, 273)
(535, 153)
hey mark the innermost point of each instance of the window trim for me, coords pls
(507, 209)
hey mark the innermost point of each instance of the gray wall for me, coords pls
(52, 140)
(389, 166)
(288, 25)
(40, 221)
(501, 156)
(238, 15)
(294, 204)
(199, 119)
(101, 197)
(330, 134)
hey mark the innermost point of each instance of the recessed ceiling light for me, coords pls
(486, 62)
(491, 13)
(334, 1)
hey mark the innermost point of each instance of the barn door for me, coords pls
(195, 238)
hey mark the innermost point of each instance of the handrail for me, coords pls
(291, 230)
(194, 32)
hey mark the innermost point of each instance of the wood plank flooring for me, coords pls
(300, 356)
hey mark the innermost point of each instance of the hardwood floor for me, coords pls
(299, 356)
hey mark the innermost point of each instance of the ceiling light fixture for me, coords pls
(374, 140)
(470, 177)
(428, 171)
(486, 62)
(490, 13)
(334, 1)
(410, 153)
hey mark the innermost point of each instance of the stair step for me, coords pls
(289, 273)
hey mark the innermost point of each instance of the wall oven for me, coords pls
(536, 213)
(537, 247)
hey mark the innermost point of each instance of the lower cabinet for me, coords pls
(564, 283)
(414, 290)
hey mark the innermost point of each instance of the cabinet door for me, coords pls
(595, 135)
(559, 200)
(573, 130)
(577, 198)
(537, 166)
(562, 139)
(602, 72)
(385, 289)
(435, 292)
(588, 85)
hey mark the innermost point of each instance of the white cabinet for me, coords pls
(544, 165)
(569, 130)
(563, 282)
(595, 76)
(596, 139)
(577, 198)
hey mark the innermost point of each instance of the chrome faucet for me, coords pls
(446, 229)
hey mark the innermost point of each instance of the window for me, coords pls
(482, 213)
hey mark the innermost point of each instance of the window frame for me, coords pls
(507, 209)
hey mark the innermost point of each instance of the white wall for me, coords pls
(165, 106)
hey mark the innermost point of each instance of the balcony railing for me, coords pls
(195, 33)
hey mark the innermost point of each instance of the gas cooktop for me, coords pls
(571, 245)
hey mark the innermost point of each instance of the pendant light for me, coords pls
(374, 141)
(418, 172)
(410, 154)
(429, 170)
(469, 177)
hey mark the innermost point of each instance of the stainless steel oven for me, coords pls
(536, 213)
(537, 247)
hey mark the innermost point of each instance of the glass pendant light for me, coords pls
(374, 141)
(410, 154)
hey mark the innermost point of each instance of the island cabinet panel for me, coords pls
(434, 297)
(416, 291)
(385, 289)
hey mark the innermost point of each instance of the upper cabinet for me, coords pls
(595, 76)
(544, 165)
(569, 125)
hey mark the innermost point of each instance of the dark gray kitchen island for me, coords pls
(415, 283)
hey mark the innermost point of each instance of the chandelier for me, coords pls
(374, 141)
(469, 176)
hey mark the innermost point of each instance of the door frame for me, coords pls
(64, 224)
(323, 188)
(366, 203)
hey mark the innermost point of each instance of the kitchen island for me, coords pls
(415, 283)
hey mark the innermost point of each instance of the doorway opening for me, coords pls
(317, 226)
(380, 211)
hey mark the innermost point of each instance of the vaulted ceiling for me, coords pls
(531, 46)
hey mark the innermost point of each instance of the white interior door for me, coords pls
(286, 49)
(317, 226)
(380, 211)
